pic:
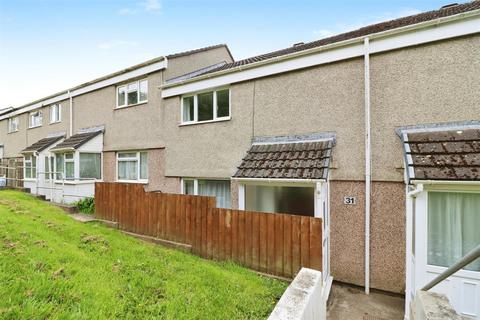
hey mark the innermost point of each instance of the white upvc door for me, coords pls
(462, 288)
(322, 211)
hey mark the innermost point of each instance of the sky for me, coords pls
(47, 46)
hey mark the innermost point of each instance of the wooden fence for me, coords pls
(278, 244)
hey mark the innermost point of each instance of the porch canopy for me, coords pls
(442, 154)
(280, 174)
(42, 144)
(299, 157)
(76, 141)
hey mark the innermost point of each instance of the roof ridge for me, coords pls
(363, 31)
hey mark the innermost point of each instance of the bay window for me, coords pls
(132, 166)
(453, 220)
(30, 167)
(132, 93)
(35, 119)
(206, 106)
(13, 124)
(220, 189)
(55, 113)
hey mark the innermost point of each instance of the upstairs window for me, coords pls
(132, 93)
(206, 106)
(35, 119)
(13, 124)
(132, 166)
(55, 113)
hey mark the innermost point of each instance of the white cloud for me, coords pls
(126, 12)
(152, 5)
(116, 43)
(341, 28)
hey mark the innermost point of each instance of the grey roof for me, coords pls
(364, 31)
(42, 144)
(293, 160)
(443, 155)
(77, 140)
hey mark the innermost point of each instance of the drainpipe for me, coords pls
(71, 112)
(368, 165)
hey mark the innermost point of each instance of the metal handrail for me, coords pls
(468, 258)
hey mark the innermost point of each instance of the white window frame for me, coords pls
(136, 158)
(32, 114)
(125, 85)
(13, 121)
(53, 107)
(30, 162)
(79, 167)
(215, 107)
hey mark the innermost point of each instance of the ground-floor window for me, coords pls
(49, 166)
(132, 166)
(453, 227)
(90, 166)
(280, 199)
(214, 188)
(30, 164)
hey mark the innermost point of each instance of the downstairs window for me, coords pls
(220, 189)
(453, 220)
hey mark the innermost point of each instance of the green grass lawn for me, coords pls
(54, 267)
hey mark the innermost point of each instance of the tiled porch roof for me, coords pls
(42, 144)
(443, 155)
(77, 140)
(289, 160)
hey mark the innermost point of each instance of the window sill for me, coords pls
(60, 121)
(29, 180)
(204, 122)
(10, 132)
(131, 105)
(34, 127)
(75, 182)
(133, 181)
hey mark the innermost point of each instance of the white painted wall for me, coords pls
(304, 298)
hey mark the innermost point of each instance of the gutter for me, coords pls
(451, 182)
(335, 45)
(271, 180)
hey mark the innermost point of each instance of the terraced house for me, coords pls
(377, 131)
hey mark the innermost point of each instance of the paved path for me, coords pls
(83, 217)
(351, 303)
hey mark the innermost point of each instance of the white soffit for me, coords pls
(440, 29)
(91, 87)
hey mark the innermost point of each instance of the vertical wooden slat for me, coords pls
(305, 242)
(263, 260)
(255, 240)
(228, 233)
(296, 243)
(241, 237)
(279, 244)
(248, 238)
(234, 238)
(287, 246)
(316, 244)
(221, 213)
(270, 243)
(209, 232)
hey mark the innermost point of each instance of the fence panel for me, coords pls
(274, 243)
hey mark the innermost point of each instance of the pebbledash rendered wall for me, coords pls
(412, 86)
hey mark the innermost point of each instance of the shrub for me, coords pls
(86, 205)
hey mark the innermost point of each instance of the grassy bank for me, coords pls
(54, 267)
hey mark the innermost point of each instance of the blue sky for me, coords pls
(47, 46)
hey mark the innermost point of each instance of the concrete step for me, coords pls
(68, 208)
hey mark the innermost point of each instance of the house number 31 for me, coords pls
(349, 200)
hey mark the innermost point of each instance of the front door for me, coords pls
(447, 225)
(322, 211)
